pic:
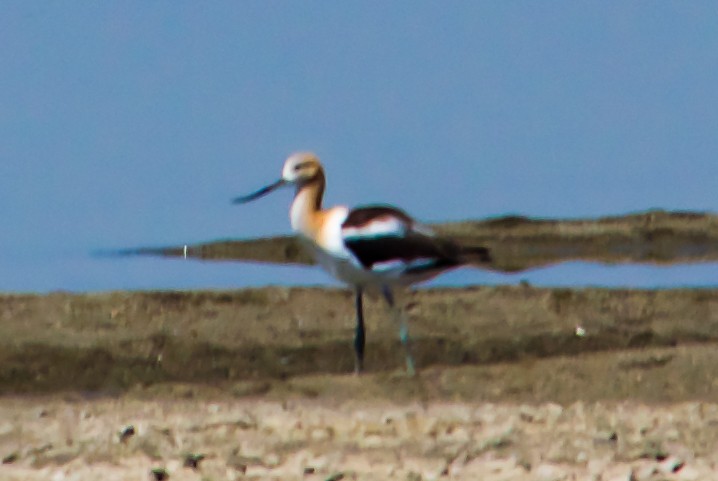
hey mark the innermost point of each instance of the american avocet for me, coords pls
(375, 246)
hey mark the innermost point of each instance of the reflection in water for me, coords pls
(82, 274)
(647, 250)
(585, 274)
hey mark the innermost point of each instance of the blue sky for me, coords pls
(133, 123)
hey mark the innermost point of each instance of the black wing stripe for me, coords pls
(406, 249)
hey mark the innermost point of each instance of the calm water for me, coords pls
(125, 124)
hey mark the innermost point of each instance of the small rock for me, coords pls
(241, 463)
(127, 432)
(617, 472)
(372, 441)
(10, 458)
(426, 468)
(257, 472)
(173, 465)
(689, 473)
(530, 414)
(549, 472)
(644, 471)
(671, 464)
(318, 435)
(597, 466)
(605, 437)
(318, 463)
(271, 460)
(491, 468)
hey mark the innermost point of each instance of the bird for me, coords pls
(371, 247)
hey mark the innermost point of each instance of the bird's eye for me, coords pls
(301, 166)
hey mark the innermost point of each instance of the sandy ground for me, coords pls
(514, 383)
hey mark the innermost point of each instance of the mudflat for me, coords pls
(515, 382)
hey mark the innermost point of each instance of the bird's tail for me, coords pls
(476, 255)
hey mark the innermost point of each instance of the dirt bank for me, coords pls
(515, 383)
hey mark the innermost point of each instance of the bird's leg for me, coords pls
(403, 329)
(359, 335)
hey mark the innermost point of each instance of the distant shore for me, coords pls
(516, 243)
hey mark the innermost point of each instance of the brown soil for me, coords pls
(514, 383)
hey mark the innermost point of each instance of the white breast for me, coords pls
(330, 237)
(329, 251)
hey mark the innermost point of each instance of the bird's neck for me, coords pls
(307, 206)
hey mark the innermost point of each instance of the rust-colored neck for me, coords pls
(307, 205)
